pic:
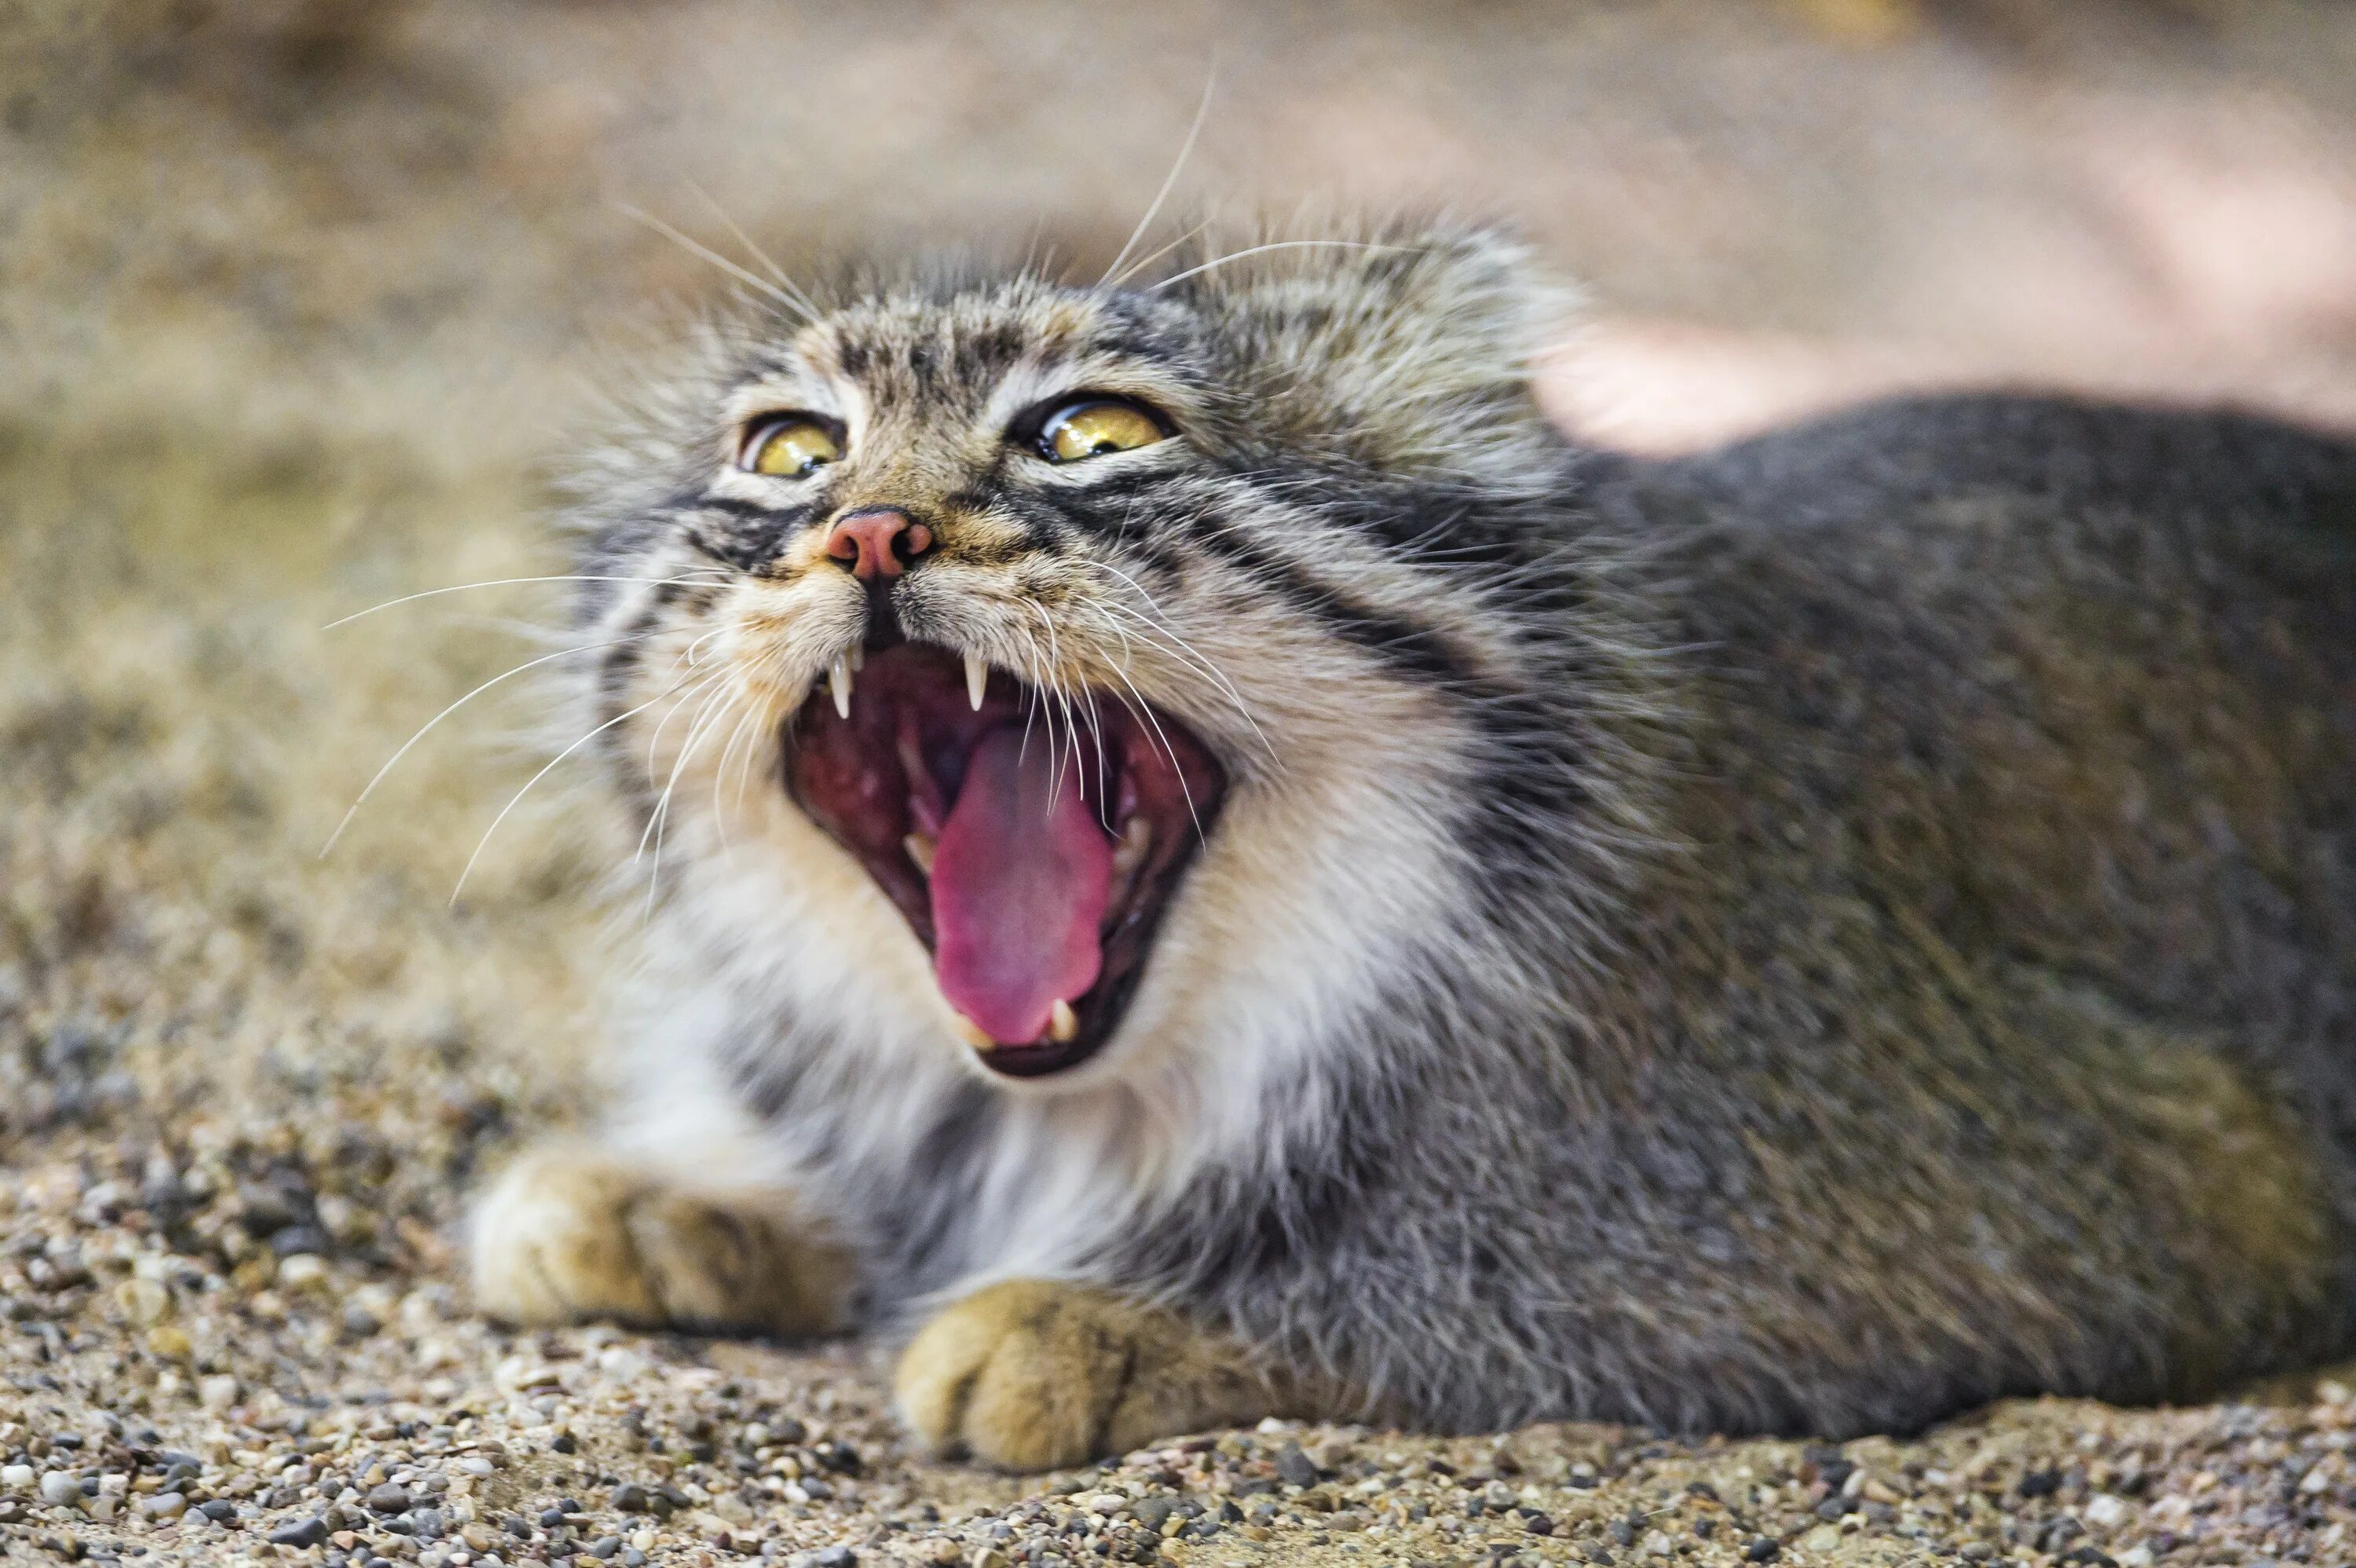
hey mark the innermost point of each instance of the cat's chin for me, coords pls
(1033, 840)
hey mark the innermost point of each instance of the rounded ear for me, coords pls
(1406, 345)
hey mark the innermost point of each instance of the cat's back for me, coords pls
(1949, 554)
(2075, 685)
(2199, 468)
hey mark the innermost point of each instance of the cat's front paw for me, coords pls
(568, 1232)
(1034, 1375)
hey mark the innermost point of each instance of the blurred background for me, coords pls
(404, 218)
(299, 298)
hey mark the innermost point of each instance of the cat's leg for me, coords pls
(685, 1213)
(571, 1231)
(1036, 1374)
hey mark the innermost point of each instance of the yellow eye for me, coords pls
(1098, 425)
(787, 447)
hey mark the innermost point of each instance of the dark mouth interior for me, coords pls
(1032, 856)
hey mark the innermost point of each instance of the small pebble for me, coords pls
(1294, 1467)
(145, 1301)
(310, 1531)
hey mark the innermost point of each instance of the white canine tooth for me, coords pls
(1136, 839)
(920, 847)
(973, 1034)
(1063, 1024)
(858, 658)
(839, 677)
(977, 680)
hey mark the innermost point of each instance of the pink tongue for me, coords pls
(1019, 882)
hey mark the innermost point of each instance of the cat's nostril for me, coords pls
(877, 541)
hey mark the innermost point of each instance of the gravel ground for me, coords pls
(190, 1391)
(291, 294)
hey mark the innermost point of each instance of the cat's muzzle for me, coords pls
(1031, 844)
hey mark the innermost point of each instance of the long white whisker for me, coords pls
(1158, 624)
(1151, 257)
(1202, 113)
(1037, 661)
(425, 728)
(1144, 711)
(507, 625)
(545, 770)
(505, 582)
(705, 690)
(1170, 643)
(716, 700)
(1105, 803)
(654, 742)
(1060, 695)
(744, 769)
(719, 774)
(690, 652)
(1051, 688)
(1274, 245)
(750, 279)
(807, 308)
(1071, 738)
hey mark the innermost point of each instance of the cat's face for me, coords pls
(1058, 679)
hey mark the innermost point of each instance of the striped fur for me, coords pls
(1800, 938)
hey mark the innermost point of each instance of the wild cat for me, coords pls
(1215, 864)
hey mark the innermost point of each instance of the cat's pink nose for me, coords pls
(877, 541)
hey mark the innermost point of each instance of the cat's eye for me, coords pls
(1095, 426)
(787, 446)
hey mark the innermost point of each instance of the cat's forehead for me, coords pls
(972, 348)
(972, 337)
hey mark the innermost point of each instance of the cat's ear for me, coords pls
(1408, 346)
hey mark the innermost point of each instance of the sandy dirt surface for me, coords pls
(297, 302)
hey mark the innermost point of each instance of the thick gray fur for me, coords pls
(1803, 937)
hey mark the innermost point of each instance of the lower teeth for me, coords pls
(1063, 1027)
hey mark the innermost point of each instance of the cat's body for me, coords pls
(1806, 937)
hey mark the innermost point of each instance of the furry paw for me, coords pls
(568, 1232)
(1034, 1375)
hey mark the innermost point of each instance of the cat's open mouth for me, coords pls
(1031, 854)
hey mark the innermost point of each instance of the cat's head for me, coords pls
(1064, 677)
